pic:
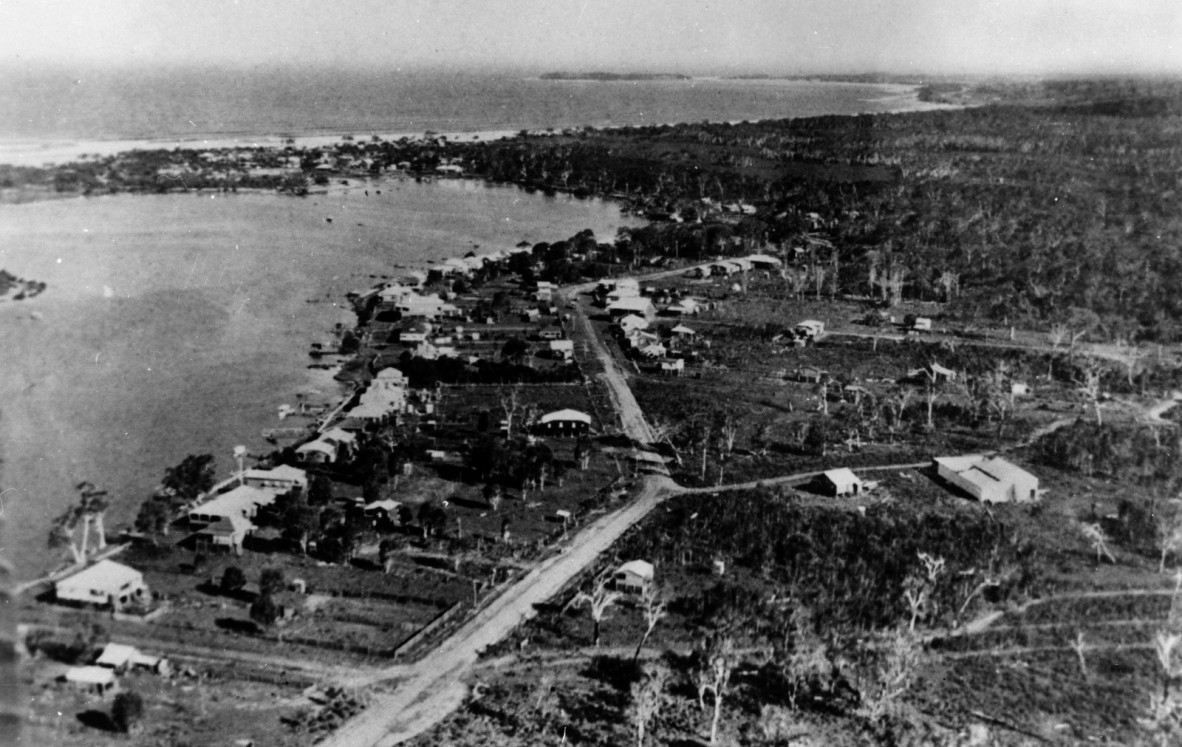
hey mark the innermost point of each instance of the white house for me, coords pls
(563, 349)
(91, 680)
(633, 577)
(632, 322)
(564, 422)
(278, 480)
(316, 452)
(988, 479)
(395, 293)
(224, 533)
(388, 378)
(673, 366)
(639, 306)
(104, 583)
(120, 658)
(242, 502)
(342, 440)
(682, 332)
(842, 481)
(810, 328)
(383, 509)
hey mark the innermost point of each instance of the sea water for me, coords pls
(51, 107)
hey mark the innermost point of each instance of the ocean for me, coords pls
(54, 113)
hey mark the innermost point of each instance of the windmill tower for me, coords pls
(240, 457)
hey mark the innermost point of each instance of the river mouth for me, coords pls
(177, 324)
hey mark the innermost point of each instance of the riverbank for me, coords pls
(213, 302)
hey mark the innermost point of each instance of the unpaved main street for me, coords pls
(431, 689)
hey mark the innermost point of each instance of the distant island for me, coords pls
(614, 76)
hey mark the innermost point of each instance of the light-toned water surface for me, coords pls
(177, 324)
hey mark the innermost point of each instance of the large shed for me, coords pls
(565, 422)
(988, 479)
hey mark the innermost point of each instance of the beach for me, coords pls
(87, 120)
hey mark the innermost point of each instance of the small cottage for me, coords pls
(633, 577)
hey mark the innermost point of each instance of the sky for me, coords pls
(686, 36)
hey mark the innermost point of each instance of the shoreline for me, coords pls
(37, 153)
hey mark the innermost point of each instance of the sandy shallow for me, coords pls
(177, 324)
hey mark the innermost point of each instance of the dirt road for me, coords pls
(434, 686)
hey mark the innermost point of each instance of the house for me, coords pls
(278, 480)
(415, 333)
(764, 262)
(632, 322)
(388, 378)
(673, 366)
(344, 441)
(638, 305)
(120, 658)
(316, 452)
(116, 657)
(243, 502)
(550, 333)
(932, 372)
(633, 577)
(564, 423)
(682, 332)
(917, 323)
(104, 583)
(686, 306)
(395, 293)
(224, 533)
(724, 269)
(429, 306)
(988, 479)
(562, 349)
(414, 279)
(620, 292)
(810, 375)
(841, 482)
(654, 350)
(91, 680)
(810, 329)
(382, 510)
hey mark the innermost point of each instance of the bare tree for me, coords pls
(599, 601)
(729, 432)
(648, 695)
(1095, 535)
(512, 404)
(1131, 355)
(882, 684)
(1089, 387)
(652, 606)
(716, 662)
(1080, 647)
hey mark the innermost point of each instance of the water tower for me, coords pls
(240, 457)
